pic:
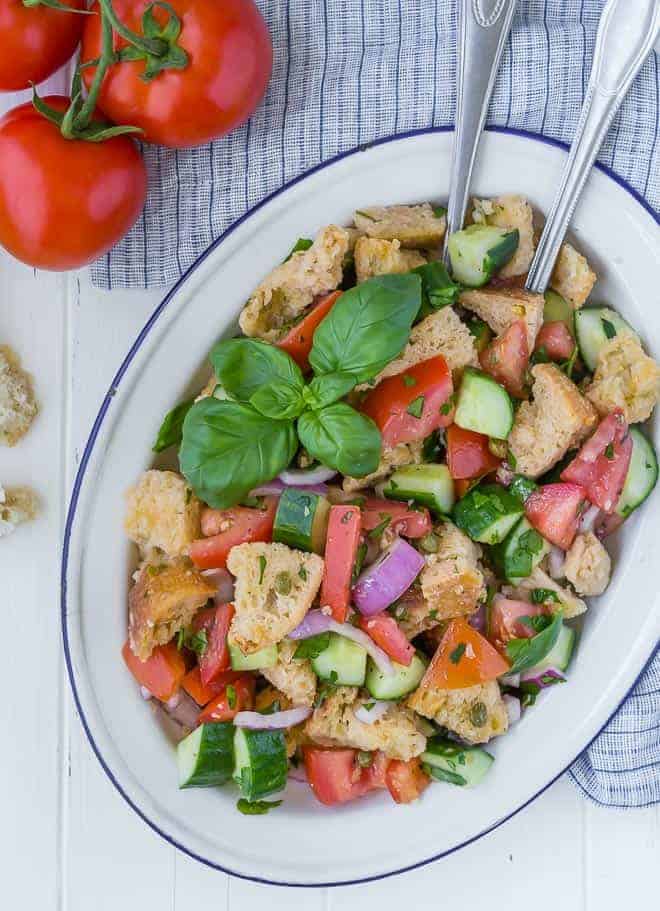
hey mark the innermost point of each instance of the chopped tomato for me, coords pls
(161, 673)
(215, 658)
(602, 464)
(556, 341)
(335, 776)
(468, 455)
(387, 633)
(235, 697)
(341, 547)
(203, 693)
(507, 357)
(409, 406)
(374, 776)
(463, 658)
(554, 510)
(229, 527)
(504, 621)
(298, 340)
(411, 523)
(406, 780)
(462, 485)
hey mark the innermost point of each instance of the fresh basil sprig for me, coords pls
(341, 437)
(171, 429)
(525, 653)
(438, 289)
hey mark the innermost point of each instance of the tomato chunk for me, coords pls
(463, 658)
(229, 527)
(299, 339)
(556, 341)
(215, 622)
(374, 776)
(504, 621)
(411, 523)
(161, 673)
(235, 697)
(468, 455)
(335, 776)
(410, 405)
(341, 547)
(387, 633)
(406, 780)
(204, 693)
(554, 510)
(507, 357)
(602, 463)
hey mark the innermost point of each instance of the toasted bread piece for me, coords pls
(625, 378)
(461, 711)
(383, 257)
(162, 512)
(18, 407)
(292, 676)
(412, 226)
(510, 211)
(500, 307)
(572, 276)
(570, 603)
(588, 566)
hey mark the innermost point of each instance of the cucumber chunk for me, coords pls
(265, 657)
(558, 310)
(428, 485)
(301, 520)
(343, 662)
(397, 685)
(487, 513)
(642, 474)
(261, 765)
(522, 487)
(478, 251)
(205, 758)
(483, 405)
(559, 655)
(456, 764)
(520, 552)
(594, 327)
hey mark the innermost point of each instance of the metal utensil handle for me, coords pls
(627, 31)
(483, 29)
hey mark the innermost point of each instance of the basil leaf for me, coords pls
(228, 448)
(525, 653)
(341, 438)
(367, 327)
(328, 388)
(244, 365)
(279, 400)
(256, 807)
(541, 595)
(438, 290)
(312, 647)
(171, 428)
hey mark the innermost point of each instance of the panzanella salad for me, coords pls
(392, 499)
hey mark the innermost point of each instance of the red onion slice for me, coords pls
(316, 622)
(182, 709)
(588, 519)
(313, 623)
(144, 692)
(304, 477)
(556, 559)
(543, 678)
(372, 714)
(298, 773)
(513, 709)
(477, 619)
(224, 582)
(504, 475)
(256, 721)
(380, 584)
(275, 488)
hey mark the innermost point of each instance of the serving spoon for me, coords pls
(483, 29)
(627, 31)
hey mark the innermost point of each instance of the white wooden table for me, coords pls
(67, 839)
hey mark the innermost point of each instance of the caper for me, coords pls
(283, 583)
(478, 714)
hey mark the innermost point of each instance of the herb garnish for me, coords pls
(608, 327)
(525, 653)
(256, 807)
(312, 647)
(416, 407)
(541, 595)
(231, 696)
(457, 653)
(263, 563)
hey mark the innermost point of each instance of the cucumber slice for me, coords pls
(301, 520)
(558, 310)
(487, 513)
(482, 333)
(478, 251)
(397, 685)
(428, 485)
(343, 662)
(642, 474)
(261, 765)
(559, 655)
(520, 552)
(483, 405)
(594, 326)
(456, 764)
(522, 487)
(205, 758)
(265, 657)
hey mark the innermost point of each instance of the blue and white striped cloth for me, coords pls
(347, 72)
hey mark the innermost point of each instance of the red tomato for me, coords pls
(161, 673)
(554, 510)
(602, 464)
(229, 64)
(64, 202)
(463, 658)
(462, 485)
(507, 357)
(201, 693)
(468, 455)
(298, 340)
(336, 777)
(504, 620)
(226, 706)
(409, 406)
(35, 41)
(229, 527)
(374, 775)
(341, 548)
(406, 780)
(387, 633)
(411, 523)
(556, 340)
(216, 622)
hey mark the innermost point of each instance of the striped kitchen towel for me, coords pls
(348, 72)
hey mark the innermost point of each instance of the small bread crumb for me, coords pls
(17, 505)
(18, 407)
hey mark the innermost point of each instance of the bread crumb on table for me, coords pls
(17, 505)
(18, 407)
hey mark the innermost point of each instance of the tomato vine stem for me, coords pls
(153, 47)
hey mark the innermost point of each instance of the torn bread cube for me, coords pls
(512, 212)
(587, 565)
(293, 285)
(164, 600)
(572, 276)
(475, 713)
(413, 226)
(383, 257)
(292, 676)
(500, 307)
(18, 406)
(391, 459)
(275, 587)
(571, 605)
(558, 419)
(163, 513)
(17, 505)
(627, 378)
(270, 699)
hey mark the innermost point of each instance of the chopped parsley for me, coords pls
(447, 406)
(302, 573)
(409, 380)
(511, 459)
(458, 653)
(439, 211)
(312, 647)
(197, 642)
(609, 452)
(537, 623)
(608, 327)
(231, 696)
(541, 595)
(263, 563)
(256, 807)
(326, 689)
(364, 758)
(359, 560)
(416, 407)
(377, 532)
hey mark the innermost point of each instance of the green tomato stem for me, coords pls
(84, 116)
(156, 47)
